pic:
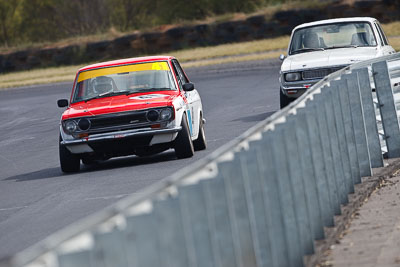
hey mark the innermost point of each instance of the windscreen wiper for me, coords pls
(341, 46)
(107, 94)
(307, 50)
(152, 89)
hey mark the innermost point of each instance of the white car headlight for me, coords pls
(292, 76)
(165, 114)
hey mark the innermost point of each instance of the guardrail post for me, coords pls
(387, 108)
(142, 240)
(297, 182)
(333, 136)
(235, 191)
(288, 202)
(170, 228)
(274, 209)
(76, 259)
(374, 145)
(359, 126)
(109, 249)
(220, 224)
(342, 173)
(349, 132)
(196, 219)
(347, 161)
(327, 152)
(250, 165)
(308, 173)
(343, 110)
(321, 167)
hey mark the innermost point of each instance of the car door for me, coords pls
(192, 97)
(386, 48)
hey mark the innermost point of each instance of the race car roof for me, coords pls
(125, 62)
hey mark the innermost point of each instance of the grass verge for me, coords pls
(202, 56)
(227, 53)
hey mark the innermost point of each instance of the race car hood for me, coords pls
(327, 58)
(119, 103)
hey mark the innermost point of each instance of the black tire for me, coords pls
(88, 161)
(93, 159)
(68, 161)
(152, 150)
(183, 143)
(284, 100)
(200, 143)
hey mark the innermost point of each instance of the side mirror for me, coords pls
(62, 103)
(282, 57)
(188, 86)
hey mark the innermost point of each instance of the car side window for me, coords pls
(380, 34)
(178, 76)
(385, 41)
(181, 74)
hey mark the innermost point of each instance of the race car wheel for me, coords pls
(284, 100)
(200, 143)
(88, 161)
(68, 161)
(183, 143)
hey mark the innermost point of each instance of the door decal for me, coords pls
(189, 116)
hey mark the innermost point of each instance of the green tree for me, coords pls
(49, 20)
(80, 17)
(37, 21)
(132, 14)
(7, 15)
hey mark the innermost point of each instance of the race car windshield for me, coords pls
(332, 36)
(119, 80)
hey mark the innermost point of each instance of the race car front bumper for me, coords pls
(144, 137)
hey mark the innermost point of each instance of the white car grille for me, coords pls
(319, 73)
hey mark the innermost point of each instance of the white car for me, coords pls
(320, 48)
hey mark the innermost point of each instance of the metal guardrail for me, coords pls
(260, 200)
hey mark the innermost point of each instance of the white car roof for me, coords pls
(328, 21)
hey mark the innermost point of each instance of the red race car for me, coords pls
(136, 106)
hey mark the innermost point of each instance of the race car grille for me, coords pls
(319, 73)
(123, 120)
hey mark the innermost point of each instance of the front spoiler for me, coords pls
(121, 134)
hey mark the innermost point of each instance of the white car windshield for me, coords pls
(332, 36)
(119, 80)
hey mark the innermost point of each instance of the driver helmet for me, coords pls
(102, 84)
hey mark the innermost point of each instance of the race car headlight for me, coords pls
(293, 76)
(70, 126)
(152, 115)
(84, 124)
(165, 114)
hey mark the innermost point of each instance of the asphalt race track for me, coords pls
(37, 199)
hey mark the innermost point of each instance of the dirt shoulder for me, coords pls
(373, 238)
(368, 231)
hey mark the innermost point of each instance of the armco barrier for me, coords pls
(260, 200)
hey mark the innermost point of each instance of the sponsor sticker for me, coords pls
(161, 66)
(146, 97)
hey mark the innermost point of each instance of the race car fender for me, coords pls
(180, 110)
